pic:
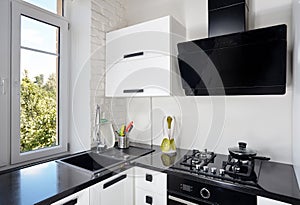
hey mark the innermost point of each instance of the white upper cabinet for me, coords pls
(141, 59)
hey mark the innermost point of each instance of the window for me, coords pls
(39, 91)
(54, 6)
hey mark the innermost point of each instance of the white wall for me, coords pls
(190, 13)
(106, 16)
(296, 83)
(79, 109)
(219, 122)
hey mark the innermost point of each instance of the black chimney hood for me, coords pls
(245, 63)
(227, 16)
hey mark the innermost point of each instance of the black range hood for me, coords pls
(244, 63)
(227, 16)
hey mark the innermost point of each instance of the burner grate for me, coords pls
(198, 158)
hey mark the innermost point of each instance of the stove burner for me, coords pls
(198, 159)
(243, 169)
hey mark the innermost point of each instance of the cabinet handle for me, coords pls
(114, 181)
(149, 177)
(149, 200)
(72, 202)
(3, 85)
(131, 55)
(134, 91)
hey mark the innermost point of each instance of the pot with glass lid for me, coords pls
(243, 153)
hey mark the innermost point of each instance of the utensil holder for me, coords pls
(123, 142)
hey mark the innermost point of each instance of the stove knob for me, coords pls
(245, 162)
(205, 193)
(198, 166)
(222, 172)
(205, 168)
(213, 170)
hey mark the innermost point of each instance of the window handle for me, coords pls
(3, 86)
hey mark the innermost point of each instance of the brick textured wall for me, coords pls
(107, 15)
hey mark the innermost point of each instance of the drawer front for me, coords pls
(152, 181)
(144, 77)
(143, 197)
(150, 38)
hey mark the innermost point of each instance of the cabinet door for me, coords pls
(148, 38)
(143, 77)
(266, 201)
(117, 190)
(79, 198)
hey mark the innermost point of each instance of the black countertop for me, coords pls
(276, 180)
(44, 183)
(48, 182)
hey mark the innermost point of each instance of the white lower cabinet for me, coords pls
(79, 198)
(116, 190)
(150, 187)
(144, 197)
(266, 201)
(136, 186)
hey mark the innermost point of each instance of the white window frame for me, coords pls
(23, 8)
(4, 83)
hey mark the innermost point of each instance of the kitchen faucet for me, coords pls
(100, 143)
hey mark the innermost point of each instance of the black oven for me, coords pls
(182, 191)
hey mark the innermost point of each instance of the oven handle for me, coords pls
(173, 198)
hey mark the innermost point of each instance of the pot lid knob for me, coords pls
(242, 145)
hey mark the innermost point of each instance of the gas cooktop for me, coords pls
(221, 167)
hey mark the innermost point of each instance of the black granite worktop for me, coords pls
(276, 180)
(48, 182)
(45, 183)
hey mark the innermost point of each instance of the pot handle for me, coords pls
(262, 158)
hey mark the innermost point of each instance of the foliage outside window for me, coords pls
(38, 112)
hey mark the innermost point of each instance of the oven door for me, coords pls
(172, 200)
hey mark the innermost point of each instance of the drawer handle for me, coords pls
(149, 200)
(134, 91)
(131, 55)
(149, 177)
(72, 202)
(114, 181)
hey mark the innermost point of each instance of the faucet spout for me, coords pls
(100, 142)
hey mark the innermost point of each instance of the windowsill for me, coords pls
(14, 167)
